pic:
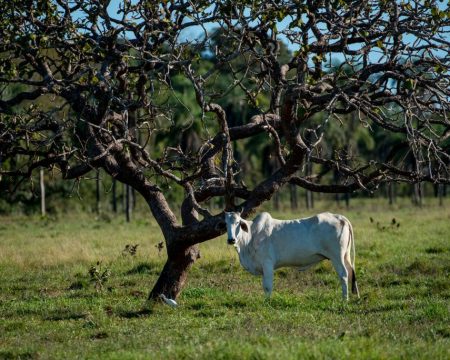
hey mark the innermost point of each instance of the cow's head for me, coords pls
(235, 227)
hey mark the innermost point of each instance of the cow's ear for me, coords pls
(244, 226)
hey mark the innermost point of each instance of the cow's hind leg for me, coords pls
(342, 272)
(351, 275)
(267, 279)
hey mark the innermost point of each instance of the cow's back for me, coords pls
(306, 241)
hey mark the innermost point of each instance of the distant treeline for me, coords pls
(102, 195)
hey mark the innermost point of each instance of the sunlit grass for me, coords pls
(49, 308)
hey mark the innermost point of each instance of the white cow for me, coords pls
(266, 244)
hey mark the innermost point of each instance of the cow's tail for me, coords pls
(355, 289)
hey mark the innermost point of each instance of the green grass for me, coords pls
(50, 309)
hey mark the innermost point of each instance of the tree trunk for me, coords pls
(417, 194)
(133, 199)
(336, 179)
(124, 196)
(309, 195)
(114, 195)
(293, 193)
(309, 199)
(391, 193)
(179, 260)
(276, 201)
(174, 274)
(128, 206)
(42, 186)
(440, 191)
(97, 192)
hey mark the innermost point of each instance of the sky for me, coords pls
(197, 32)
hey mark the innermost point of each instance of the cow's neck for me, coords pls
(246, 252)
(244, 237)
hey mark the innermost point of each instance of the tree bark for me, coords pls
(124, 196)
(114, 195)
(97, 192)
(179, 259)
(309, 199)
(309, 195)
(128, 206)
(293, 197)
(391, 192)
(42, 186)
(174, 274)
(276, 201)
(440, 191)
(336, 179)
(417, 194)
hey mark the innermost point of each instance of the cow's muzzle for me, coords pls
(231, 241)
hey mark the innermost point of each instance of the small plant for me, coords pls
(98, 275)
(130, 250)
(394, 224)
(159, 247)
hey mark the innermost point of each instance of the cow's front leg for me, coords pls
(268, 279)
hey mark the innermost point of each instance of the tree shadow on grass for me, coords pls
(234, 304)
(132, 314)
(374, 309)
(100, 335)
(61, 315)
(144, 268)
(18, 355)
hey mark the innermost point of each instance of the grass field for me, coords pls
(49, 308)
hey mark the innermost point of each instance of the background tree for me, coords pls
(100, 89)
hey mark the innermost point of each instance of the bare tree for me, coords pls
(72, 71)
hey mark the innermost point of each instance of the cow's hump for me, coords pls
(262, 225)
